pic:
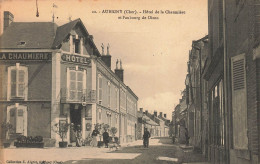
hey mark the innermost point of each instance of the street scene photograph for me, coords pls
(130, 81)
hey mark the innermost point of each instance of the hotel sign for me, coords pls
(75, 59)
(25, 56)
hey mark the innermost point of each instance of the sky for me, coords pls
(154, 52)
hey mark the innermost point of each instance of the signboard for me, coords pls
(75, 59)
(25, 55)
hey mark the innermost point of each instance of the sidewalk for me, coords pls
(49, 154)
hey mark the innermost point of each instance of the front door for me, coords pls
(75, 118)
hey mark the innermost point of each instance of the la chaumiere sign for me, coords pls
(25, 55)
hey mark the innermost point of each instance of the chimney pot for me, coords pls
(165, 115)
(141, 110)
(155, 113)
(106, 58)
(146, 112)
(8, 19)
(119, 72)
(160, 114)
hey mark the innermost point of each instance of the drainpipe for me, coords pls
(227, 114)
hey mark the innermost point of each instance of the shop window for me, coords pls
(18, 80)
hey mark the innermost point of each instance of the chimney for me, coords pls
(160, 114)
(141, 110)
(119, 71)
(155, 113)
(165, 115)
(8, 19)
(106, 58)
(146, 112)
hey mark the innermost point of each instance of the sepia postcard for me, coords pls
(129, 81)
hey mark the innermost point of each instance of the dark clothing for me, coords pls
(95, 133)
(106, 138)
(146, 137)
(187, 136)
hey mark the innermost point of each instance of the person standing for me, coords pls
(187, 137)
(146, 137)
(106, 138)
(94, 137)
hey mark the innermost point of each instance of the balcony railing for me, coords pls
(78, 96)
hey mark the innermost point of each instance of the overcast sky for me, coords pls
(154, 53)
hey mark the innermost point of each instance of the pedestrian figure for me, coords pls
(106, 138)
(78, 136)
(146, 137)
(94, 137)
(187, 137)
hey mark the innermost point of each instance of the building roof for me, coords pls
(34, 35)
(40, 35)
(149, 121)
(63, 31)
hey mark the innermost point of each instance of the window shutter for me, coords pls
(13, 83)
(21, 83)
(72, 85)
(80, 84)
(239, 102)
(100, 89)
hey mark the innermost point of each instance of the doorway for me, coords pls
(75, 118)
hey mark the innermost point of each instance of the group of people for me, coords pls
(95, 134)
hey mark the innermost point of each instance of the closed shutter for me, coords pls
(239, 102)
(100, 89)
(13, 83)
(72, 85)
(21, 83)
(20, 121)
(79, 85)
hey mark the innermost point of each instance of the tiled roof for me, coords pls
(63, 31)
(35, 35)
(149, 121)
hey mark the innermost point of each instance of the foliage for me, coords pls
(61, 129)
(7, 128)
(105, 127)
(29, 139)
(113, 131)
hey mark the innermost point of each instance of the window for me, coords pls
(109, 94)
(116, 97)
(77, 46)
(17, 116)
(18, 78)
(99, 114)
(217, 117)
(76, 84)
(100, 89)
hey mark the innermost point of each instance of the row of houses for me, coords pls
(156, 124)
(54, 74)
(220, 104)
